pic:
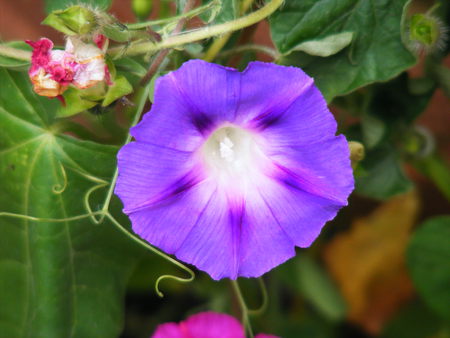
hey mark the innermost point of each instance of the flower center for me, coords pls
(233, 155)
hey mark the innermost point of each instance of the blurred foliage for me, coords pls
(70, 278)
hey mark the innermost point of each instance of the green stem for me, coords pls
(190, 14)
(142, 98)
(200, 34)
(219, 43)
(244, 310)
(15, 53)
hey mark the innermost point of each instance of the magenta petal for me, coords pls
(212, 325)
(169, 330)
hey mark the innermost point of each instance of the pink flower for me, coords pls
(205, 325)
(52, 71)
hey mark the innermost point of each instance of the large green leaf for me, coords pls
(58, 279)
(376, 52)
(428, 258)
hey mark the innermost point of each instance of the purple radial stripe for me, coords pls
(210, 91)
(178, 187)
(147, 170)
(166, 225)
(264, 242)
(267, 91)
(211, 244)
(322, 169)
(306, 121)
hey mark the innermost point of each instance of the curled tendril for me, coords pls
(87, 205)
(157, 252)
(59, 188)
(265, 300)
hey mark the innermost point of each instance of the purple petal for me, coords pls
(146, 171)
(213, 241)
(169, 122)
(306, 121)
(267, 91)
(264, 243)
(213, 325)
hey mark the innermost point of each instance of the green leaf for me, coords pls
(9, 62)
(227, 11)
(316, 286)
(326, 46)
(371, 57)
(382, 175)
(119, 88)
(58, 279)
(428, 260)
(51, 5)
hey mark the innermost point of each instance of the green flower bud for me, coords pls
(424, 29)
(142, 8)
(426, 33)
(75, 20)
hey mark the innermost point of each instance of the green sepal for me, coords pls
(74, 103)
(119, 88)
(74, 20)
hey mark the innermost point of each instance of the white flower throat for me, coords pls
(232, 155)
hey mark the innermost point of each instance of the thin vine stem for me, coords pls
(143, 97)
(50, 220)
(244, 309)
(201, 33)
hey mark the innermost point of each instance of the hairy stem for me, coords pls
(15, 53)
(219, 43)
(185, 15)
(200, 34)
(162, 54)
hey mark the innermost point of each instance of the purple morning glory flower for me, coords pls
(230, 171)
